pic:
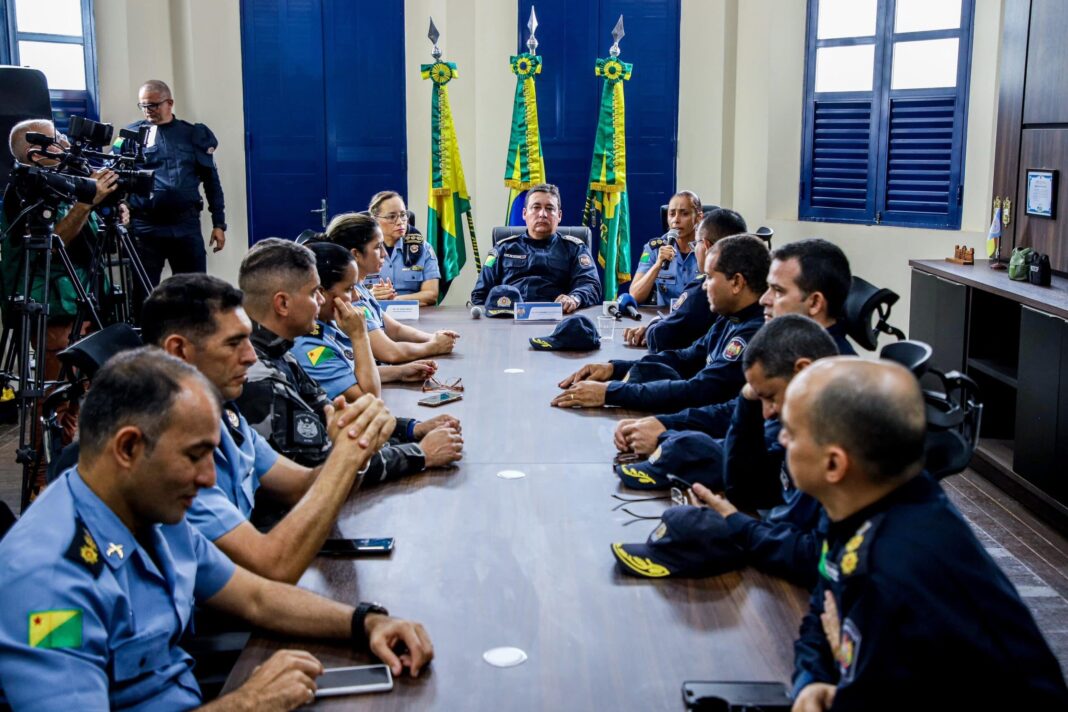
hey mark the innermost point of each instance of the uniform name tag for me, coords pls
(539, 311)
(402, 309)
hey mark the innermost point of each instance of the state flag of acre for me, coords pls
(60, 628)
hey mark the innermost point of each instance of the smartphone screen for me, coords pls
(440, 398)
(354, 680)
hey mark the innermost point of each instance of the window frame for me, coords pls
(9, 54)
(881, 99)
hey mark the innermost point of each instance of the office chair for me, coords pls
(865, 300)
(954, 414)
(581, 232)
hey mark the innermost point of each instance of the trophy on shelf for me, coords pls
(962, 255)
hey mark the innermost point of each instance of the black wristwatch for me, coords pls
(359, 618)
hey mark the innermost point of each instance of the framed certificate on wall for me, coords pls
(1041, 193)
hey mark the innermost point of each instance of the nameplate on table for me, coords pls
(539, 311)
(402, 309)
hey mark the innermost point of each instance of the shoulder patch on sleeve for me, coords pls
(585, 261)
(572, 238)
(734, 348)
(848, 650)
(83, 549)
(204, 139)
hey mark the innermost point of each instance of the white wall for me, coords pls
(740, 106)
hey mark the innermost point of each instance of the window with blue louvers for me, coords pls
(886, 94)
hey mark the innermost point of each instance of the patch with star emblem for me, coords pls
(83, 549)
(60, 628)
(848, 649)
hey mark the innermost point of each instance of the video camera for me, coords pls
(88, 138)
(87, 141)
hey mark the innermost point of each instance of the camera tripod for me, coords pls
(39, 243)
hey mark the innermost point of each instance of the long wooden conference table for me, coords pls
(484, 562)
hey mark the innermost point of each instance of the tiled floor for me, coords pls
(1034, 556)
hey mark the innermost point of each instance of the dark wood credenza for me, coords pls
(1012, 338)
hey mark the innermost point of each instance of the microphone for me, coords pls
(476, 312)
(628, 305)
(672, 237)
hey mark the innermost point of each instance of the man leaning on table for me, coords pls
(101, 574)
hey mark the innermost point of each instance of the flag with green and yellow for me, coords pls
(60, 628)
(448, 199)
(606, 199)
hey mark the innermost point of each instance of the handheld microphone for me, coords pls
(628, 305)
(476, 312)
(672, 237)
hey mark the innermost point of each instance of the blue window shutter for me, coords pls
(919, 168)
(839, 174)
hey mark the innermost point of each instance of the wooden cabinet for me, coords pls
(1032, 128)
(1012, 339)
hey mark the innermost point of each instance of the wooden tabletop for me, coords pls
(485, 562)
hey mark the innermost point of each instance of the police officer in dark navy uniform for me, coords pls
(910, 611)
(167, 223)
(709, 371)
(542, 264)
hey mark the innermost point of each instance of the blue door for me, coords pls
(316, 125)
(571, 37)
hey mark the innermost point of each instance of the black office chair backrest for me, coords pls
(581, 232)
(913, 355)
(954, 417)
(89, 354)
(864, 302)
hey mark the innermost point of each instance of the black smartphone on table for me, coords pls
(357, 547)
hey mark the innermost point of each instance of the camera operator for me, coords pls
(77, 226)
(167, 223)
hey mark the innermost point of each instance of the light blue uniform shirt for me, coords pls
(674, 276)
(371, 308)
(242, 458)
(71, 556)
(408, 280)
(326, 355)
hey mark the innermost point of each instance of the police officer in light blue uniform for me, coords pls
(411, 267)
(542, 264)
(670, 262)
(89, 608)
(242, 458)
(331, 367)
(101, 575)
(167, 223)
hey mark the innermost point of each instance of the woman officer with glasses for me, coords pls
(411, 268)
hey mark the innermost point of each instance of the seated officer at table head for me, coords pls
(286, 405)
(411, 267)
(688, 320)
(811, 277)
(669, 262)
(708, 371)
(542, 264)
(101, 574)
(200, 319)
(916, 614)
(391, 341)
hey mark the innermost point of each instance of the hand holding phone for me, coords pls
(354, 680)
(679, 482)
